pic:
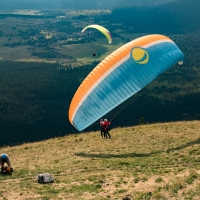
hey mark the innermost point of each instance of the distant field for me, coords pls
(68, 12)
(11, 28)
(16, 53)
(26, 12)
(86, 12)
(83, 52)
(21, 12)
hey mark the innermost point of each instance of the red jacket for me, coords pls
(105, 124)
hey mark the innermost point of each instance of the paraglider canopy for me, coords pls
(102, 30)
(61, 17)
(180, 63)
(121, 75)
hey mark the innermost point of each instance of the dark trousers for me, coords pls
(106, 133)
(102, 132)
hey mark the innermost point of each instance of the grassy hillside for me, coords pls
(156, 161)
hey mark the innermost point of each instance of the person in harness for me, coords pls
(106, 128)
(5, 159)
(102, 128)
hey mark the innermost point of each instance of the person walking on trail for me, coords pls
(106, 127)
(5, 159)
(102, 128)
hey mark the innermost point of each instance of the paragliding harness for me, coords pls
(106, 132)
(6, 170)
(45, 178)
(108, 129)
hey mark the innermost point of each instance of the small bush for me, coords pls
(159, 180)
(190, 179)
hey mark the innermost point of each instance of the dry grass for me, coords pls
(156, 161)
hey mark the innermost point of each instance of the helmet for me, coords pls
(101, 119)
(3, 156)
(105, 120)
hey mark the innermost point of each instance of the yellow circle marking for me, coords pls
(140, 56)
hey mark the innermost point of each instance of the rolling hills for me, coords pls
(174, 17)
(155, 161)
(74, 4)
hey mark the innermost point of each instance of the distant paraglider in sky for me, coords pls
(102, 30)
(61, 17)
(121, 75)
(180, 63)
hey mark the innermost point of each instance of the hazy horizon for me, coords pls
(74, 4)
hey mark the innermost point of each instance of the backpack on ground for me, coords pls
(6, 170)
(45, 178)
